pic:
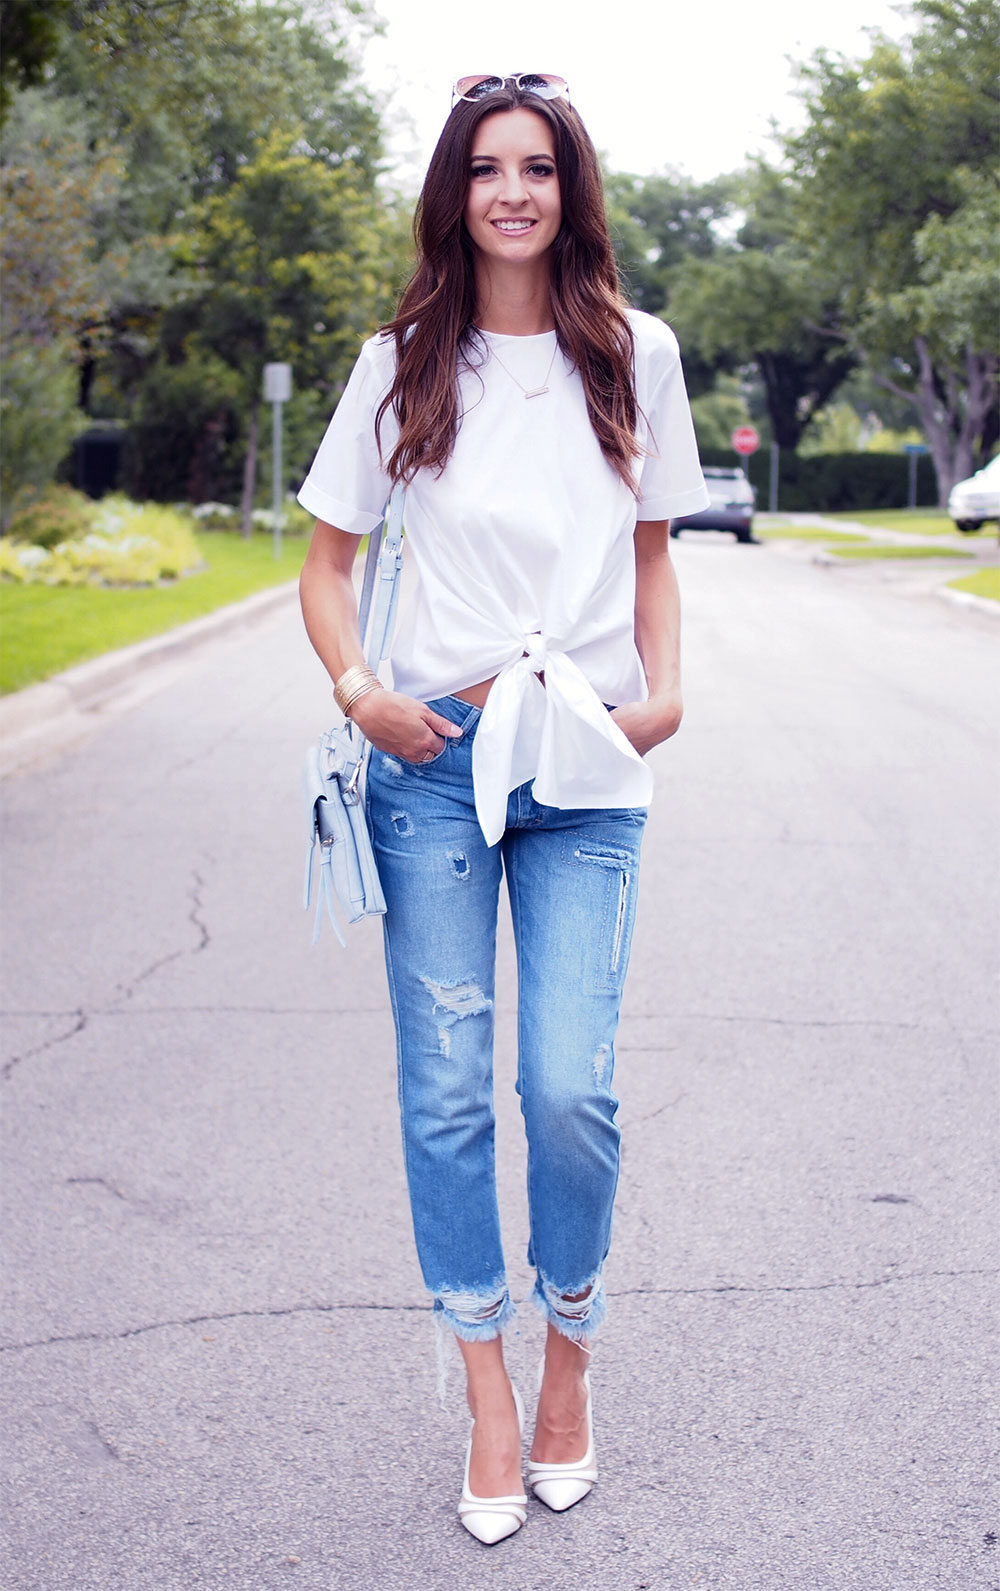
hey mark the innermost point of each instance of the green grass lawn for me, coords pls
(48, 628)
(803, 533)
(984, 583)
(915, 521)
(884, 549)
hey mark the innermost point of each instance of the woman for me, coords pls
(544, 433)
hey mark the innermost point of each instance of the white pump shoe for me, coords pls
(559, 1486)
(491, 1519)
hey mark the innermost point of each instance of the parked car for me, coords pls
(731, 508)
(976, 500)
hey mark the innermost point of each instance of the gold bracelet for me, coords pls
(362, 690)
(346, 686)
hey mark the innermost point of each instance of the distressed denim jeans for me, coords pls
(571, 878)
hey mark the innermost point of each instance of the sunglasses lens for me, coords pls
(544, 84)
(476, 87)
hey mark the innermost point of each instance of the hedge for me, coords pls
(835, 482)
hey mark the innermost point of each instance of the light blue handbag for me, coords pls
(333, 777)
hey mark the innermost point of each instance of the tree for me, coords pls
(30, 32)
(293, 261)
(658, 225)
(757, 300)
(895, 174)
(56, 184)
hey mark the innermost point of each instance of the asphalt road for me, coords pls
(219, 1365)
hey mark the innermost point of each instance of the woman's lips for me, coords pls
(514, 228)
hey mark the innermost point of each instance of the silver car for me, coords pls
(974, 501)
(731, 507)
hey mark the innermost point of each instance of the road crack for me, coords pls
(80, 1020)
(839, 1284)
(212, 1320)
(289, 1310)
(197, 921)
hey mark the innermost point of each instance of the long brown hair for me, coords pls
(435, 322)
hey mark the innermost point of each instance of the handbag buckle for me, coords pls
(350, 793)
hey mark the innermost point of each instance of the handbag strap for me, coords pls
(379, 595)
(380, 585)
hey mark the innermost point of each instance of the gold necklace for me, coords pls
(533, 392)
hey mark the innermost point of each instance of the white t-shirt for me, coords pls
(522, 557)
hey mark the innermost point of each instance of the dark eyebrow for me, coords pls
(529, 158)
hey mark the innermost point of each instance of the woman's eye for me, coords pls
(482, 170)
(542, 171)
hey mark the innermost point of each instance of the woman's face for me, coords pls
(513, 210)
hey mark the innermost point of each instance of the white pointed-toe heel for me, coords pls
(559, 1486)
(491, 1519)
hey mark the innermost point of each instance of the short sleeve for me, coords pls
(670, 478)
(347, 485)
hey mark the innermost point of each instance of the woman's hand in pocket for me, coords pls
(646, 724)
(401, 726)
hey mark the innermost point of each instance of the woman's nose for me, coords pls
(512, 189)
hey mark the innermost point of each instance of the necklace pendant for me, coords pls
(536, 392)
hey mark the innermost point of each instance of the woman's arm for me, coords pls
(394, 723)
(657, 637)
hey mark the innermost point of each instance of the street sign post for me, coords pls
(913, 451)
(277, 390)
(746, 441)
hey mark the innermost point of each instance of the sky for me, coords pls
(691, 86)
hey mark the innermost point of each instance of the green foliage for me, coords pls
(58, 183)
(895, 176)
(830, 482)
(59, 514)
(30, 31)
(126, 544)
(38, 390)
(718, 412)
(138, 183)
(185, 436)
(758, 301)
(658, 223)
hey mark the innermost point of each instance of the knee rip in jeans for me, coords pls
(452, 1003)
(402, 823)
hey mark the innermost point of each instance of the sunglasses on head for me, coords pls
(545, 84)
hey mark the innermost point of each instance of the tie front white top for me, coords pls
(522, 556)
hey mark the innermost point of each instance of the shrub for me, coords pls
(59, 514)
(40, 419)
(128, 544)
(183, 441)
(835, 482)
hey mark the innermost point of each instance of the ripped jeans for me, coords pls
(571, 878)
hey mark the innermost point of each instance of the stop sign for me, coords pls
(745, 439)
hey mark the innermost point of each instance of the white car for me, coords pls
(974, 501)
(731, 508)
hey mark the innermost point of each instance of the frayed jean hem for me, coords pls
(492, 1324)
(578, 1318)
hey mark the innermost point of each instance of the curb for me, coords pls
(88, 687)
(968, 599)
